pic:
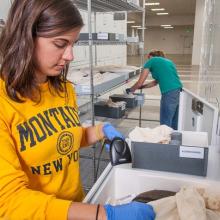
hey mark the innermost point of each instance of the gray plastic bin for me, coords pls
(103, 110)
(140, 97)
(130, 102)
(173, 158)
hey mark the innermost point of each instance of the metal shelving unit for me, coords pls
(100, 42)
(110, 81)
(100, 6)
(108, 5)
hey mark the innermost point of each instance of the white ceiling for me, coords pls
(174, 7)
(179, 10)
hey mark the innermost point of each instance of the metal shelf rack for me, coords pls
(101, 6)
(100, 42)
(108, 5)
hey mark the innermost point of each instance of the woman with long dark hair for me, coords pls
(40, 131)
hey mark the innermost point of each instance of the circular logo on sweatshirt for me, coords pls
(65, 142)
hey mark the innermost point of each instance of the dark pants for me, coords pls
(169, 108)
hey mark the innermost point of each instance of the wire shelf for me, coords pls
(100, 42)
(109, 5)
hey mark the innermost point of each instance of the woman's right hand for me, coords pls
(130, 211)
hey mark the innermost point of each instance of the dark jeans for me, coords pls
(169, 107)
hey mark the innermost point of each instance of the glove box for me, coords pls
(131, 100)
(189, 158)
(102, 109)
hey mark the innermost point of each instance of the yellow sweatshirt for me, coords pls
(39, 156)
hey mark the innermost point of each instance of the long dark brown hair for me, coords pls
(27, 20)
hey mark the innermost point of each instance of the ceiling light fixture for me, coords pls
(130, 22)
(142, 28)
(157, 9)
(152, 3)
(136, 26)
(168, 27)
(162, 13)
(165, 25)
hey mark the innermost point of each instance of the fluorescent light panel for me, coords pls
(136, 26)
(152, 3)
(130, 22)
(157, 9)
(168, 27)
(165, 25)
(162, 13)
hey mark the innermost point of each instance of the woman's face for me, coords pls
(53, 54)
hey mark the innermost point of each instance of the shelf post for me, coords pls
(143, 33)
(89, 5)
(142, 53)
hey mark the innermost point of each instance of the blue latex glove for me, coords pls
(110, 133)
(130, 211)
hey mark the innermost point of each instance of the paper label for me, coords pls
(85, 88)
(123, 107)
(191, 152)
(102, 36)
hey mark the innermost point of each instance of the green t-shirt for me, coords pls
(164, 72)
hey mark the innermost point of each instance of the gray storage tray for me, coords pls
(165, 157)
(130, 102)
(103, 110)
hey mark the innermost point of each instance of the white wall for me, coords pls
(104, 54)
(105, 23)
(178, 20)
(4, 8)
(84, 15)
(199, 22)
(210, 54)
(171, 41)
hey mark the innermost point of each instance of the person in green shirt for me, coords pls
(165, 75)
